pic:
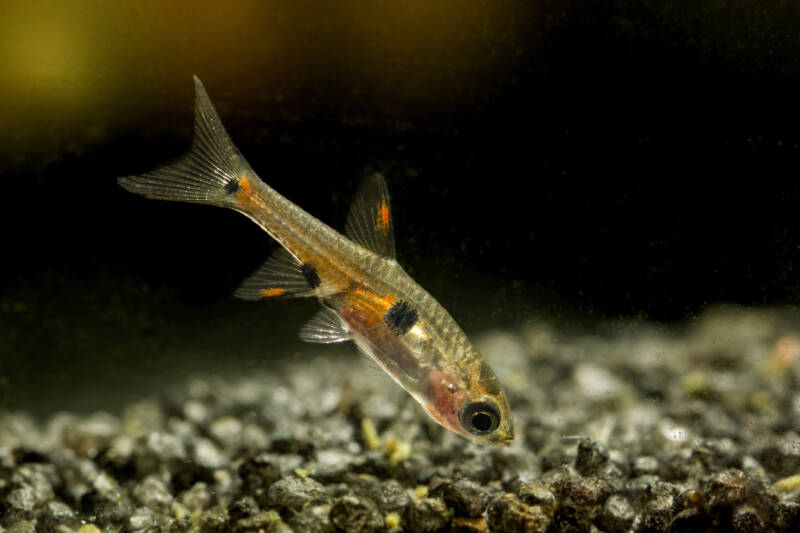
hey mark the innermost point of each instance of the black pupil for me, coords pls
(479, 418)
(481, 421)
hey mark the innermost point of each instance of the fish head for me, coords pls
(470, 401)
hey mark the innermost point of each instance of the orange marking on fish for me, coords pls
(383, 217)
(379, 304)
(270, 293)
(245, 193)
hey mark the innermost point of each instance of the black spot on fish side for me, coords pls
(232, 186)
(400, 318)
(310, 273)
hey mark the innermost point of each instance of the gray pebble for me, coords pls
(657, 513)
(782, 458)
(391, 497)
(21, 499)
(295, 492)
(90, 436)
(259, 472)
(617, 515)
(214, 520)
(152, 492)
(142, 519)
(679, 465)
(242, 508)
(256, 522)
(592, 456)
(787, 517)
(747, 520)
(465, 497)
(226, 430)
(538, 494)
(645, 465)
(508, 513)
(23, 526)
(726, 489)
(426, 515)
(197, 498)
(355, 514)
(313, 519)
(56, 514)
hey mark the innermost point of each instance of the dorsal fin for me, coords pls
(280, 276)
(369, 222)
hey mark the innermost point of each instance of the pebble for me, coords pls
(242, 508)
(20, 500)
(645, 465)
(259, 472)
(91, 436)
(426, 515)
(726, 489)
(461, 524)
(591, 457)
(294, 492)
(747, 520)
(355, 514)
(152, 492)
(465, 497)
(657, 513)
(313, 519)
(617, 515)
(508, 513)
(258, 521)
(538, 494)
(782, 458)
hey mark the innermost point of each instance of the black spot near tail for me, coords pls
(232, 186)
(400, 318)
(310, 273)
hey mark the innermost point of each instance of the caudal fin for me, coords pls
(207, 173)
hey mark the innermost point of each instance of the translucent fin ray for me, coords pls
(280, 276)
(206, 173)
(325, 328)
(369, 222)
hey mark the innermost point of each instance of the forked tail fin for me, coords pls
(207, 173)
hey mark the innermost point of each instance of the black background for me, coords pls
(617, 159)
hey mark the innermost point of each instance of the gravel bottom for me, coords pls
(640, 428)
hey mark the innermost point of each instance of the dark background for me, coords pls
(575, 161)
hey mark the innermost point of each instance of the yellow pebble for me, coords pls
(787, 484)
(89, 528)
(397, 450)
(392, 520)
(371, 439)
(694, 382)
(421, 492)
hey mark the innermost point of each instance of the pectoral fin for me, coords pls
(325, 328)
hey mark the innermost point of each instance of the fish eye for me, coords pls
(479, 418)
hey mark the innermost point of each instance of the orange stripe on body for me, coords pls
(374, 302)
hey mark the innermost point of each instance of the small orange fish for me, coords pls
(366, 296)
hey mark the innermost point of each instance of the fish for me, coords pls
(366, 295)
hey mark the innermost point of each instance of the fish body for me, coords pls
(366, 295)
